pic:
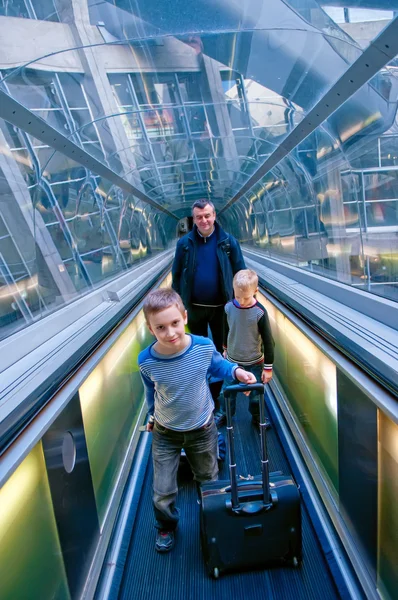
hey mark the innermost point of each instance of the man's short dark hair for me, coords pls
(202, 203)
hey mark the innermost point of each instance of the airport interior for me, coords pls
(115, 117)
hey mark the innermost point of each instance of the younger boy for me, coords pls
(247, 339)
(175, 370)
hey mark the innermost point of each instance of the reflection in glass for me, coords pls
(67, 229)
(111, 398)
(347, 227)
(185, 115)
(388, 508)
(309, 382)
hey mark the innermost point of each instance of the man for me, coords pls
(205, 262)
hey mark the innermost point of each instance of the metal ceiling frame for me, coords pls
(20, 116)
(380, 51)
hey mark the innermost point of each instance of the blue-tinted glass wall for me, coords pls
(331, 205)
(63, 229)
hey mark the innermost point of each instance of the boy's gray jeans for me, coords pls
(200, 448)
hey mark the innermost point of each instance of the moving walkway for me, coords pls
(76, 469)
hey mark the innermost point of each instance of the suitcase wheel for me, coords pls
(216, 573)
(295, 562)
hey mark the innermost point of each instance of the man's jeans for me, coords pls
(254, 398)
(200, 448)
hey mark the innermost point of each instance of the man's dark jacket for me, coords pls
(229, 256)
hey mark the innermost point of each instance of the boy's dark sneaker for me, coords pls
(256, 421)
(220, 418)
(164, 541)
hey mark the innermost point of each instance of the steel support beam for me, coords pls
(369, 4)
(20, 116)
(379, 53)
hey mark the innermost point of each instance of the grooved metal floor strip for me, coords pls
(181, 575)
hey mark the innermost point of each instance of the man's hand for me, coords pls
(225, 354)
(266, 376)
(245, 377)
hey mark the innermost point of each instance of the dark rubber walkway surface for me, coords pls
(181, 574)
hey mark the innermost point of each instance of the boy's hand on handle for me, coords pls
(245, 377)
(151, 423)
(266, 376)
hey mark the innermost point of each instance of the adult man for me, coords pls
(205, 262)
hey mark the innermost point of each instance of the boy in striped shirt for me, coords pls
(247, 339)
(175, 371)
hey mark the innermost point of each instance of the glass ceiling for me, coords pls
(202, 93)
(184, 99)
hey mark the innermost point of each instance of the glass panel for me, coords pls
(309, 382)
(379, 186)
(13, 135)
(82, 122)
(31, 565)
(357, 440)
(111, 399)
(16, 8)
(57, 234)
(388, 152)
(69, 230)
(388, 508)
(121, 90)
(348, 230)
(73, 90)
(80, 280)
(45, 10)
(34, 89)
(382, 214)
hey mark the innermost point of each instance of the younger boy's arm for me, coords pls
(264, 328)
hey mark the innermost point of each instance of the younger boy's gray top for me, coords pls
(247, 335)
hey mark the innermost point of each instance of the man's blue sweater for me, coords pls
(206, 283)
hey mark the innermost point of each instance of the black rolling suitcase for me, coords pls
(251, 523)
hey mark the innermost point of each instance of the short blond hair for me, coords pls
(161, 299)
(246, 279)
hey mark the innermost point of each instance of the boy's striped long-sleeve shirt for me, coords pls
(176, 386)
(247, 335)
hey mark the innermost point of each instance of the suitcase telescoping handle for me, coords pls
(229, 391)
